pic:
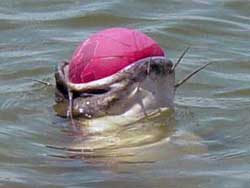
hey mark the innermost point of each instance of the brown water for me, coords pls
(205, 143)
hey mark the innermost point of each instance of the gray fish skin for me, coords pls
(138, 90)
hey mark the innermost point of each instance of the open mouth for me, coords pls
(139, 88)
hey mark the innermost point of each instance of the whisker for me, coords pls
(180, 58)
(191, 74)
(69, 112)
(41, 81)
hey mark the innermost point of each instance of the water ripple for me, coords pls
(212, 111)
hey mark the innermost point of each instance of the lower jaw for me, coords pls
(114, 122)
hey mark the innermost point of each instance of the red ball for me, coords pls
(106, 52)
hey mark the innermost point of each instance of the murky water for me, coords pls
(205, 143)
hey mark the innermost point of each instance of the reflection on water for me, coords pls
(118, 140)
(145, 141)
(204, 143)
(115, 135)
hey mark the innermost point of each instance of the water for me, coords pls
(205, 143)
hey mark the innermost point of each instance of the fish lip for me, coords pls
(114, 86)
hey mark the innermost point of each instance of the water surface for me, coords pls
(205, 143)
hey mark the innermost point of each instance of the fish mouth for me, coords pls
(138, 89)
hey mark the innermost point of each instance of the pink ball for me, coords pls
(108, 51)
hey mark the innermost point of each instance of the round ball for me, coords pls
(108, 51)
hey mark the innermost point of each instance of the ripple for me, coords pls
(239, 92)
(33, 16)
(219, 103)
(206, 145)
(92, 19)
